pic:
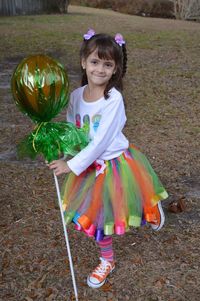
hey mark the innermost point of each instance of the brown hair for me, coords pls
(107, 49)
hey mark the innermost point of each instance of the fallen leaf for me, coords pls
(107, 287)
(137, 260)
(177, 206)
(28, 299)
(160, 282)
(49, 291)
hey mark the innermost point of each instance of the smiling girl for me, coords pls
(110, 185)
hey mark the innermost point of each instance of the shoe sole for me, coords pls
(162, 219)
(92, 285)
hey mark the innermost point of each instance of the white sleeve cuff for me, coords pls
(74, 167)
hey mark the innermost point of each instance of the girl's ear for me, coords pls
(83, 63)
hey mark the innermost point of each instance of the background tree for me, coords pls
(63, 5)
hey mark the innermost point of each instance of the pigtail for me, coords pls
(84, 80)
(124, 60)
(115, 81)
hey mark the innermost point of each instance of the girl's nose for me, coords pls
(100, 68)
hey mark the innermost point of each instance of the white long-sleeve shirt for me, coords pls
(106, 119)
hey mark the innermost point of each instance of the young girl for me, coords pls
(110, 186)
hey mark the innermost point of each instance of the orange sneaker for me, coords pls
(98, 277)
(160, 217)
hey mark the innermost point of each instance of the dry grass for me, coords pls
(162, 95)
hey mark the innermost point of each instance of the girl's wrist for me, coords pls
(67, 168)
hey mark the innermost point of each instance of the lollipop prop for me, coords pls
(40, 89)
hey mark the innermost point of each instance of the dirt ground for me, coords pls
(162, 94)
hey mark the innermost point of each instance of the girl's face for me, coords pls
(98, 71)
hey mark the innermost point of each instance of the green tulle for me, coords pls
(53, 140)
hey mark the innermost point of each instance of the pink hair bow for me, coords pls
(119, 39)
(89, 34)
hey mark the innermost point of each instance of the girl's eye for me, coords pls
(109, 65)
(94, 62)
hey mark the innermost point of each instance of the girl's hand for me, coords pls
(59, 167)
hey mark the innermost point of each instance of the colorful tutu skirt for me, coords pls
(122, 196)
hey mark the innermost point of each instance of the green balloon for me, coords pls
(40, 87)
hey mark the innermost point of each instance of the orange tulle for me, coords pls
(96, 198)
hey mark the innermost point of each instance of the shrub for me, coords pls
(94, 3)
(162, 8)
(130, 6)
(153, 8)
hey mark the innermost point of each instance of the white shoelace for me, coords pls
(102, 268)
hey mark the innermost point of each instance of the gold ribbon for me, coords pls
(38, 127)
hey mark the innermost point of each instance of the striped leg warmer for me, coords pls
(106, 248)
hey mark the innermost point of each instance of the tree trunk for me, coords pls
(193, 11)
(63, 6)
(187, 9)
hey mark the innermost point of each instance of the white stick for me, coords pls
(66, 237)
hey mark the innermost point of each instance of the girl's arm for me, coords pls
(112, 122)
